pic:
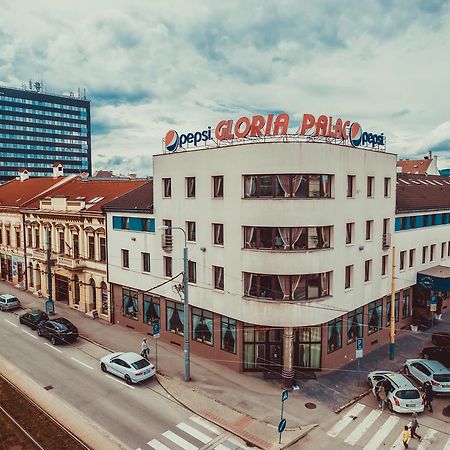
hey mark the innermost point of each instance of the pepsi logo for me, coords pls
(355, 134)
(171, 141)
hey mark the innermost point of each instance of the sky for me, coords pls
(151, 66)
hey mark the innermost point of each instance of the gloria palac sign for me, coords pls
(321, 129)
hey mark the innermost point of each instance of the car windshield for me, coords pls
(444, 378)
(140, 364)
(60, 326)
(11, 300)
(408, 394)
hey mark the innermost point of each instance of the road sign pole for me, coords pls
(156, 355)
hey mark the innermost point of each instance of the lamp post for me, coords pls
(187, 369)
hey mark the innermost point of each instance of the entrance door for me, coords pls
(62, 289)
(263, 349)
(308, 348)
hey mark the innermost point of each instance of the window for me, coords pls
(370, 186)
(191, 231)
(412, 257)
(387, 187)
(218, 277)
(129, 303)
(190, 187)
(192, 272)
(175, 317)
(17, 239)
(375, 316)
(369, 230)
(202, 326)
(386, 226)
(147, 224)
(145, 262)
(334, 334)
(8, 237)
(402, 259)
(76, 246)
(167, 266)
(91, 248)
(348, 277)
(355, 324)
(102, 243)
(125, 259)
(368, 270)
(217, 186)
(448, 248)
(443, 250)
(396, 309)
(152, 312)
(351, 181)
(432, 251)
(424, 254)
(167, 187)
(349, 232)
(30, 237)
(406, 310)
(384, 265)
(228, 334)
(218, 233)
(61, 242)
(125, 223)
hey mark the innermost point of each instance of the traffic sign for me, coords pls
(282, 425)
(433, 303)
(359, 347)
(284, 395)
(155, 330)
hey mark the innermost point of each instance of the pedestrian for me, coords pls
(414, 426)
(405, 436)
(428, 396)
(382, 396)
(144, 348)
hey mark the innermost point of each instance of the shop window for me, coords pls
(355, 324)
(152, 311)
(175, 317)
(406, 308)
(104, 294)
(228, 334)
(202, 326)
(130, 303)
(375, 316)
(334, 334)
(217, 186)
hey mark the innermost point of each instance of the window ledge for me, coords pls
(350, 289)
(268, 250)
(384, 276)
(287, 302)
(287, 198)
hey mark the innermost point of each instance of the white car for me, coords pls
(429, 370)
(130, 366)
(8, 302)
(401, 395)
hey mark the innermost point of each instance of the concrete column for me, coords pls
(288, 371)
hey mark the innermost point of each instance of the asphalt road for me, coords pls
(134, 414)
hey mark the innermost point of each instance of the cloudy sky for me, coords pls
(149, 66)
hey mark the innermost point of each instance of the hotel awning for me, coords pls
(436, 278)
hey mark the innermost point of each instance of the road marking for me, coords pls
(81, 362)
(157, 445)
(179, 441)
(13, 324)
(117, 380)
(205, 424)
(202, 437)
(427, 440)
(348, 418)
(356, 434)
(382, 432)
(447, 445)
(398, 443)
(52, 347)
(29, 334)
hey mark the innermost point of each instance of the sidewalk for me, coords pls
(243, 404)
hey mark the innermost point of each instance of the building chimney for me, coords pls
(58, 170)
(132, 175)
(430, 153)
(24, 175)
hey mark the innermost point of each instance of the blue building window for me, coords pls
(134, 224)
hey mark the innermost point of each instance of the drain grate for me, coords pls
(47, 388)
(310, 405)
(446, 411)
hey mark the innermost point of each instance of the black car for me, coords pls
(441, 354)
(441, 338)
(58, 330)
(33, 318)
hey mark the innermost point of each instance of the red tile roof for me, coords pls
(16, 193)
(416, 166)
(422, 192)
(141, 199)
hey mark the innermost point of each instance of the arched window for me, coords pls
(104, 293)
(93, 294)
(76, 290)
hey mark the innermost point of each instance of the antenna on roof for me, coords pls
(79, 92)
(38, 86)
(30, 84)
(84, 93)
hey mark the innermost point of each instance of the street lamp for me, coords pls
(187, 370)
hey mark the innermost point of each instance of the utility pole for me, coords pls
(392, 328)
(187, 364)
(50, 304)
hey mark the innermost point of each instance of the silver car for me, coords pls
(130, 366)
(428, 370)
(8, 302)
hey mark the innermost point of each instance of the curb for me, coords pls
(300, 436)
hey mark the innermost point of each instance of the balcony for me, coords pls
(166, 242)
(386, 243)
(40, 255)
(69, 263)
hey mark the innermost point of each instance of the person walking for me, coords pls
(144, 348)
(382, 396)
(405, 436)
(428, 396)
(414, 426)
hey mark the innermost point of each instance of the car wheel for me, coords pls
(53, 340)
(389, 405)
(39, 332)
(128, 379)
(103, 367)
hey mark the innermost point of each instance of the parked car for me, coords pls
(441, 338)
(130, 366)
(401, 395)
(33, 318)
(429, 370)
(441, 354)
(8, 302)
(58, 330)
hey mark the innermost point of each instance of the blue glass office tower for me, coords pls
(38, 129)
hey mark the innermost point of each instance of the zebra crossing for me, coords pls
(371, 429)
(194, 434)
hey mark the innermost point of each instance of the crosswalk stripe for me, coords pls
(447, 445)
(202, 437)
(179, 441)
(221, 447)
(381, 434)
(398, 443)
(205, 424)
(154, 443)
(348, 418)
(427, 440)
(356, 434)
